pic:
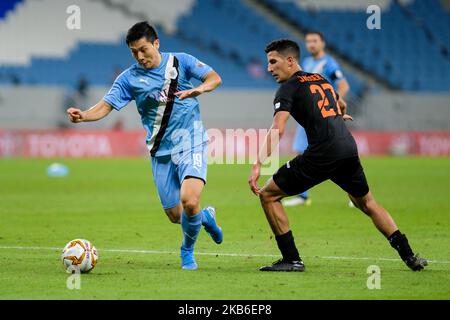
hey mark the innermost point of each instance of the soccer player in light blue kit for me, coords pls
(324, 64)
(166, 100)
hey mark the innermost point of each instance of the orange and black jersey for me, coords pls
(312, 102)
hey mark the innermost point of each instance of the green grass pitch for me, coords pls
(113, 203)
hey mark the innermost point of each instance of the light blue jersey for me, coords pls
(326, 66)
(171, 123)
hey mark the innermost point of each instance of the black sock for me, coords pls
(400, 243)
(287, 247)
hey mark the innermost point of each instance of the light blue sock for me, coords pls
(191, 226)
(304, 195)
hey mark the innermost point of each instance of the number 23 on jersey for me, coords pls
(327, 94)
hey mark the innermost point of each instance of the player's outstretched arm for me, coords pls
(276, 131)
(211, 81)
(97, 112)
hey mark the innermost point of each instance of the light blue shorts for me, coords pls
(300, 140)
(170, 171)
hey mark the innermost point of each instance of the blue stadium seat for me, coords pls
(6, 6)
(401, 49)
(405, 51)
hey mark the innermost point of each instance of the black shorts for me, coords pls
(301, 174)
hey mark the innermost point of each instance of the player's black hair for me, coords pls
(320, 34)
(285, 47)
(140, 30)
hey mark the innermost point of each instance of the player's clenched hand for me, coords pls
(347, 117)
(75, 115)
(192, 93)
(253, 179)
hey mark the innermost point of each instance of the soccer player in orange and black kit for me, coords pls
(332, 154)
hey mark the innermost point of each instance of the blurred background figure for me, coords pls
(256, 69)
(74, 97)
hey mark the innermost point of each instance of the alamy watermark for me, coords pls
(228, 146)
(374, 278)
(73, 21)
(374, 20)
(73, 282)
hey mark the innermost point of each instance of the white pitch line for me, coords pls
(226, 254)
(147, 251)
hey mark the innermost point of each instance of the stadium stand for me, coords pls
(434, 19)
(164, 13)
(97, 49)
(51, 38)
(43, 60)
(406, 56)
(243, 32)
(94, 51)
(412, 56)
